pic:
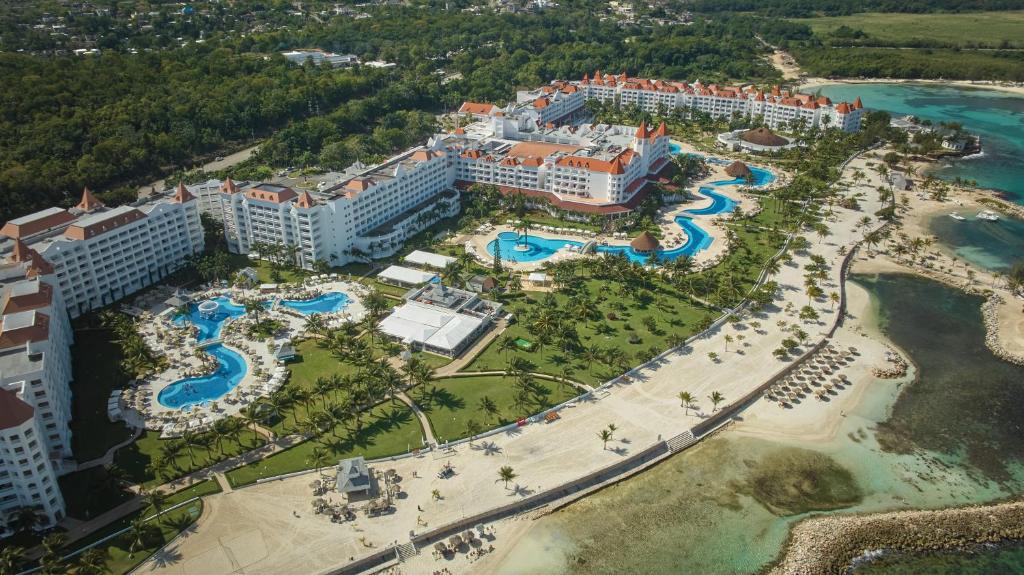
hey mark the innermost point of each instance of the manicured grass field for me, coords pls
(136, 459)
(451, 402)
(982, 29)
(434, 361)
(390, 429)
(672, 313)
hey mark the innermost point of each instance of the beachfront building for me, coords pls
(102, 254)
(35, 397)
(368, 214)
(440, 319)
(779, 108)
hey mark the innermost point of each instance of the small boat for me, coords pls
(957, 216)
(988, 216)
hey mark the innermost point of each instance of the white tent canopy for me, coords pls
(430, 325)
(403, 275)
(428, 259)
(537, 277)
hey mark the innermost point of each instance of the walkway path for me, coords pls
(108, 457)
(428, 431)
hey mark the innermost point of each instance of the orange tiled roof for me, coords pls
(28, 228)
(89, 201)
(182, 195)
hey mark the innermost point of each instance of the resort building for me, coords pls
(368, 214)
(755, 141)
(777, 107)
(428, 260)
(35, 398)
(440, 319)
(102, 254)
(404, 277)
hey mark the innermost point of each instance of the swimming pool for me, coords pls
(720, 203)
(696, 239)
(761, 175)
(538, 248)
(329, 302)
(209, 326)
(185, 393)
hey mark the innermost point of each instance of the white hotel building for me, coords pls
(35, 399)
(778, 107)
(56, 264)
(102, 254)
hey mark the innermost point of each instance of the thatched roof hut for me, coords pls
(763, 137)
(645, 242)
(738, 169)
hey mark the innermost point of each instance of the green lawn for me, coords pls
(434, 361)
(949, 64)
(136, 458)
(672, 314)
(451, 402)
(983, 29)
(390, 429)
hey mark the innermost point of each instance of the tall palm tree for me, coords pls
(319, 458)
(506, 474)
(715, 398)
(52, 561)
(219, 431)
(190, 440)
(155, 499)
(686, 398)
(251, 415)
(92, 562)
(138, 533)
(488, 406)
(605, 436)
(26, 519)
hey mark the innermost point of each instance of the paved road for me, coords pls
(227, 162)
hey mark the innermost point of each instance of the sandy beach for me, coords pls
(809, 84)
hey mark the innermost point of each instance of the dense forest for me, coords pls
(115, 119)
(808, 8)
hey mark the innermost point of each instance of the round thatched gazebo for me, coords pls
(644, 243)
(764, 137)
(738, 169)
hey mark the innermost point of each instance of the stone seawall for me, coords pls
(830, 544)
(990, 313)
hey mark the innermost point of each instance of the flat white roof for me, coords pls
(430, 325)
(18, 320)
(406, 275)
(537, 277)
(433, 260)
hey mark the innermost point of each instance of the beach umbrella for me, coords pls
(455, 540)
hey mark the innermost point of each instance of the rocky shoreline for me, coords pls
(831, 543)
(990, 314)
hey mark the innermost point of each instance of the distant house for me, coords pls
(353, 476)
(481, 284)
(899, 181)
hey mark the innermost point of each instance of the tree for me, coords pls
(155, 499)
(506, 474)
(27, 519)
(319, 458)
(52, 561)
(728, 339)
(473, 429)
(605, 436)
(138, 535)
(12, 558)
(91, 562)
(488, 406)
(251, 415)
(686, 399)
(715, 398)
(612, 428)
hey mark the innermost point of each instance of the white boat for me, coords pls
(957, 216)
(988, 216)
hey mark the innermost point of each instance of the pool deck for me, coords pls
(143, 408)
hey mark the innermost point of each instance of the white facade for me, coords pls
(35, 397)
(779, 108)
(102, 254)
(369, 214)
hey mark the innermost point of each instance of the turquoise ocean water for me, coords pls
(998, 117)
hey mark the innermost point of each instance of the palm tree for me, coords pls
(26, 519)
(92, 562)
(506, 344)
(728, 340)
(137, 535)
(219, 431)
(506, 474)
(190, 440)
(473, 429)
(488, 406)
(612, 428)
(686, 398)
(319, 458)
(11, 559)
(715, 398)
(251, 415)
(254, 307)
(834, 297)
(52, 561)
(155, 499)
(605, 436)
